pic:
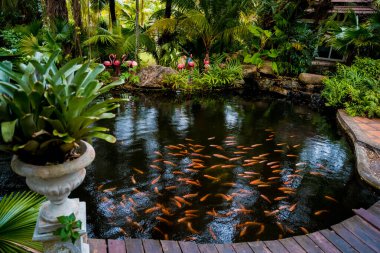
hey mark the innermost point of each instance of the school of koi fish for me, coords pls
(228, 182)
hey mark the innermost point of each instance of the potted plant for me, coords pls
(47, 113)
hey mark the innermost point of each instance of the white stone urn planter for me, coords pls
(56, 183)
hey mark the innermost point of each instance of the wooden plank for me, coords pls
(225, 248)
(363, 231)
(351, 239)
(323, 243)
(341, 244)
(259, 247)
(351, 1)
(275, 246)
(116, 246)
(170, 247)
(190, 247)
(291, 245)
(152, 246)
(369, 217)
(207, 248)
(307, 244)
(133, 245)
(242, 248)
(97, 245)
(375, 209)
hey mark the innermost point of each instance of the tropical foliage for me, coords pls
(219, 76)
(356, 88)
(47, 110)
(18, 216)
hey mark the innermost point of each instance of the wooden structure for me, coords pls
(357, 6)
(360, 233)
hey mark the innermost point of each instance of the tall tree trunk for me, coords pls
(168, 8)
(137, 30)
(56, 9)
(77, 14)
(113, 12)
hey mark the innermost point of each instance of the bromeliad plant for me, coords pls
(45, 110)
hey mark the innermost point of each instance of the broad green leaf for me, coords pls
(107, 137)
(8, 130)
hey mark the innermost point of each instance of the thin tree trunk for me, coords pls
(137, 30)
(165, 37)
(168, 8)
(56, 9)
(113, 12)
(77, 14)
(142, 13)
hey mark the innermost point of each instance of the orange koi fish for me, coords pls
(225, 197)
(211, 177)
(164, 220)
(154, 181)
(330, 198)
(261, 230)
(205, 197)
(158, 153)
(212, 233)
(317, 213)
(191, 229)
(221, 156)
(189, 196)
(153, 166)
(292, 207)
(172, 187)
(304, 230)
(170, 163)
(266, 198)
(110, 189)
(138, 171)
(256, 145)
(133, 179)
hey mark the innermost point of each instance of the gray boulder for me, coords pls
(314, 79)
(152, 77)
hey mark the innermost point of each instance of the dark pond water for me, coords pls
(223, 169)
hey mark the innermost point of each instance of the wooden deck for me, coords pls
(360, 233)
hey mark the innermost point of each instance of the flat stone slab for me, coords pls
(365, 134)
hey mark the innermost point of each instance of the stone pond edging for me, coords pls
(365, 135)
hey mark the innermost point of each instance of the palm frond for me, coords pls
(29, 45)
(18, 215)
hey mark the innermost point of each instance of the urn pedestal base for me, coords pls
(43, 232)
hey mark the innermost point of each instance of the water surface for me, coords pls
(217, 169)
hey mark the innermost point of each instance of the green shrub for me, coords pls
(355, 88)
(219, 76)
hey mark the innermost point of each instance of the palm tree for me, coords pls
(18, 216)
(210, 21)
(359, 39)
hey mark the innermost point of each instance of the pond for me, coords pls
(219, 169)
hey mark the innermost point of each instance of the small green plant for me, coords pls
(130, 76)
(69, 229)
(105, 77)
(355, 88)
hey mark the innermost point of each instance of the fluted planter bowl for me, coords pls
(56, 182)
